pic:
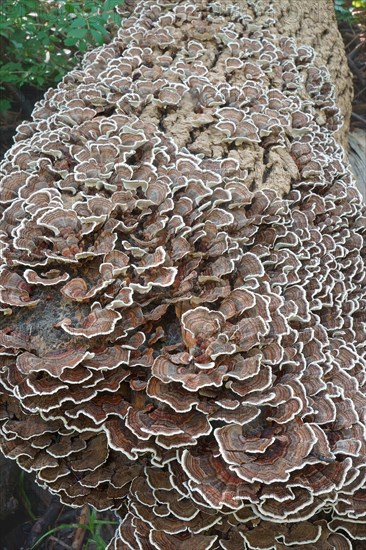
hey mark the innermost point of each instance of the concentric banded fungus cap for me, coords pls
(180, 340)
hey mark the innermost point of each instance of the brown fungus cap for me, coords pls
(182, 290)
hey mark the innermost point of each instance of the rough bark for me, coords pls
(312, 23)
(357, 158)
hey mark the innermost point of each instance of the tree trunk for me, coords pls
(310, 22)
(357, 158)
(314, 23)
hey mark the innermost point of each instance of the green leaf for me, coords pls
(70, 41)
(115, 18)
(83, 46)
(69, 7)
(98, 25)
(102, 17)
(77, 33)
(110, 4)
(91, 6)
(77, 22)
(98, 36)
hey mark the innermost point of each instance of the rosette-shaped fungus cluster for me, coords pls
(180, 341)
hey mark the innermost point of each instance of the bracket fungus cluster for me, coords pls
(182, 289)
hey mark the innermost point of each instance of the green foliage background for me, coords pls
(351, 13)
(39, 39)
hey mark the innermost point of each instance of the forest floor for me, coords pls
(40, 521)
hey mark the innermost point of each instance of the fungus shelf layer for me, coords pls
(182, 290)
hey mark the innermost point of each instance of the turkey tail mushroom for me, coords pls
(182, 289)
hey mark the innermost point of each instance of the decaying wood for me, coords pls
(357, 158)
(313, 23)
